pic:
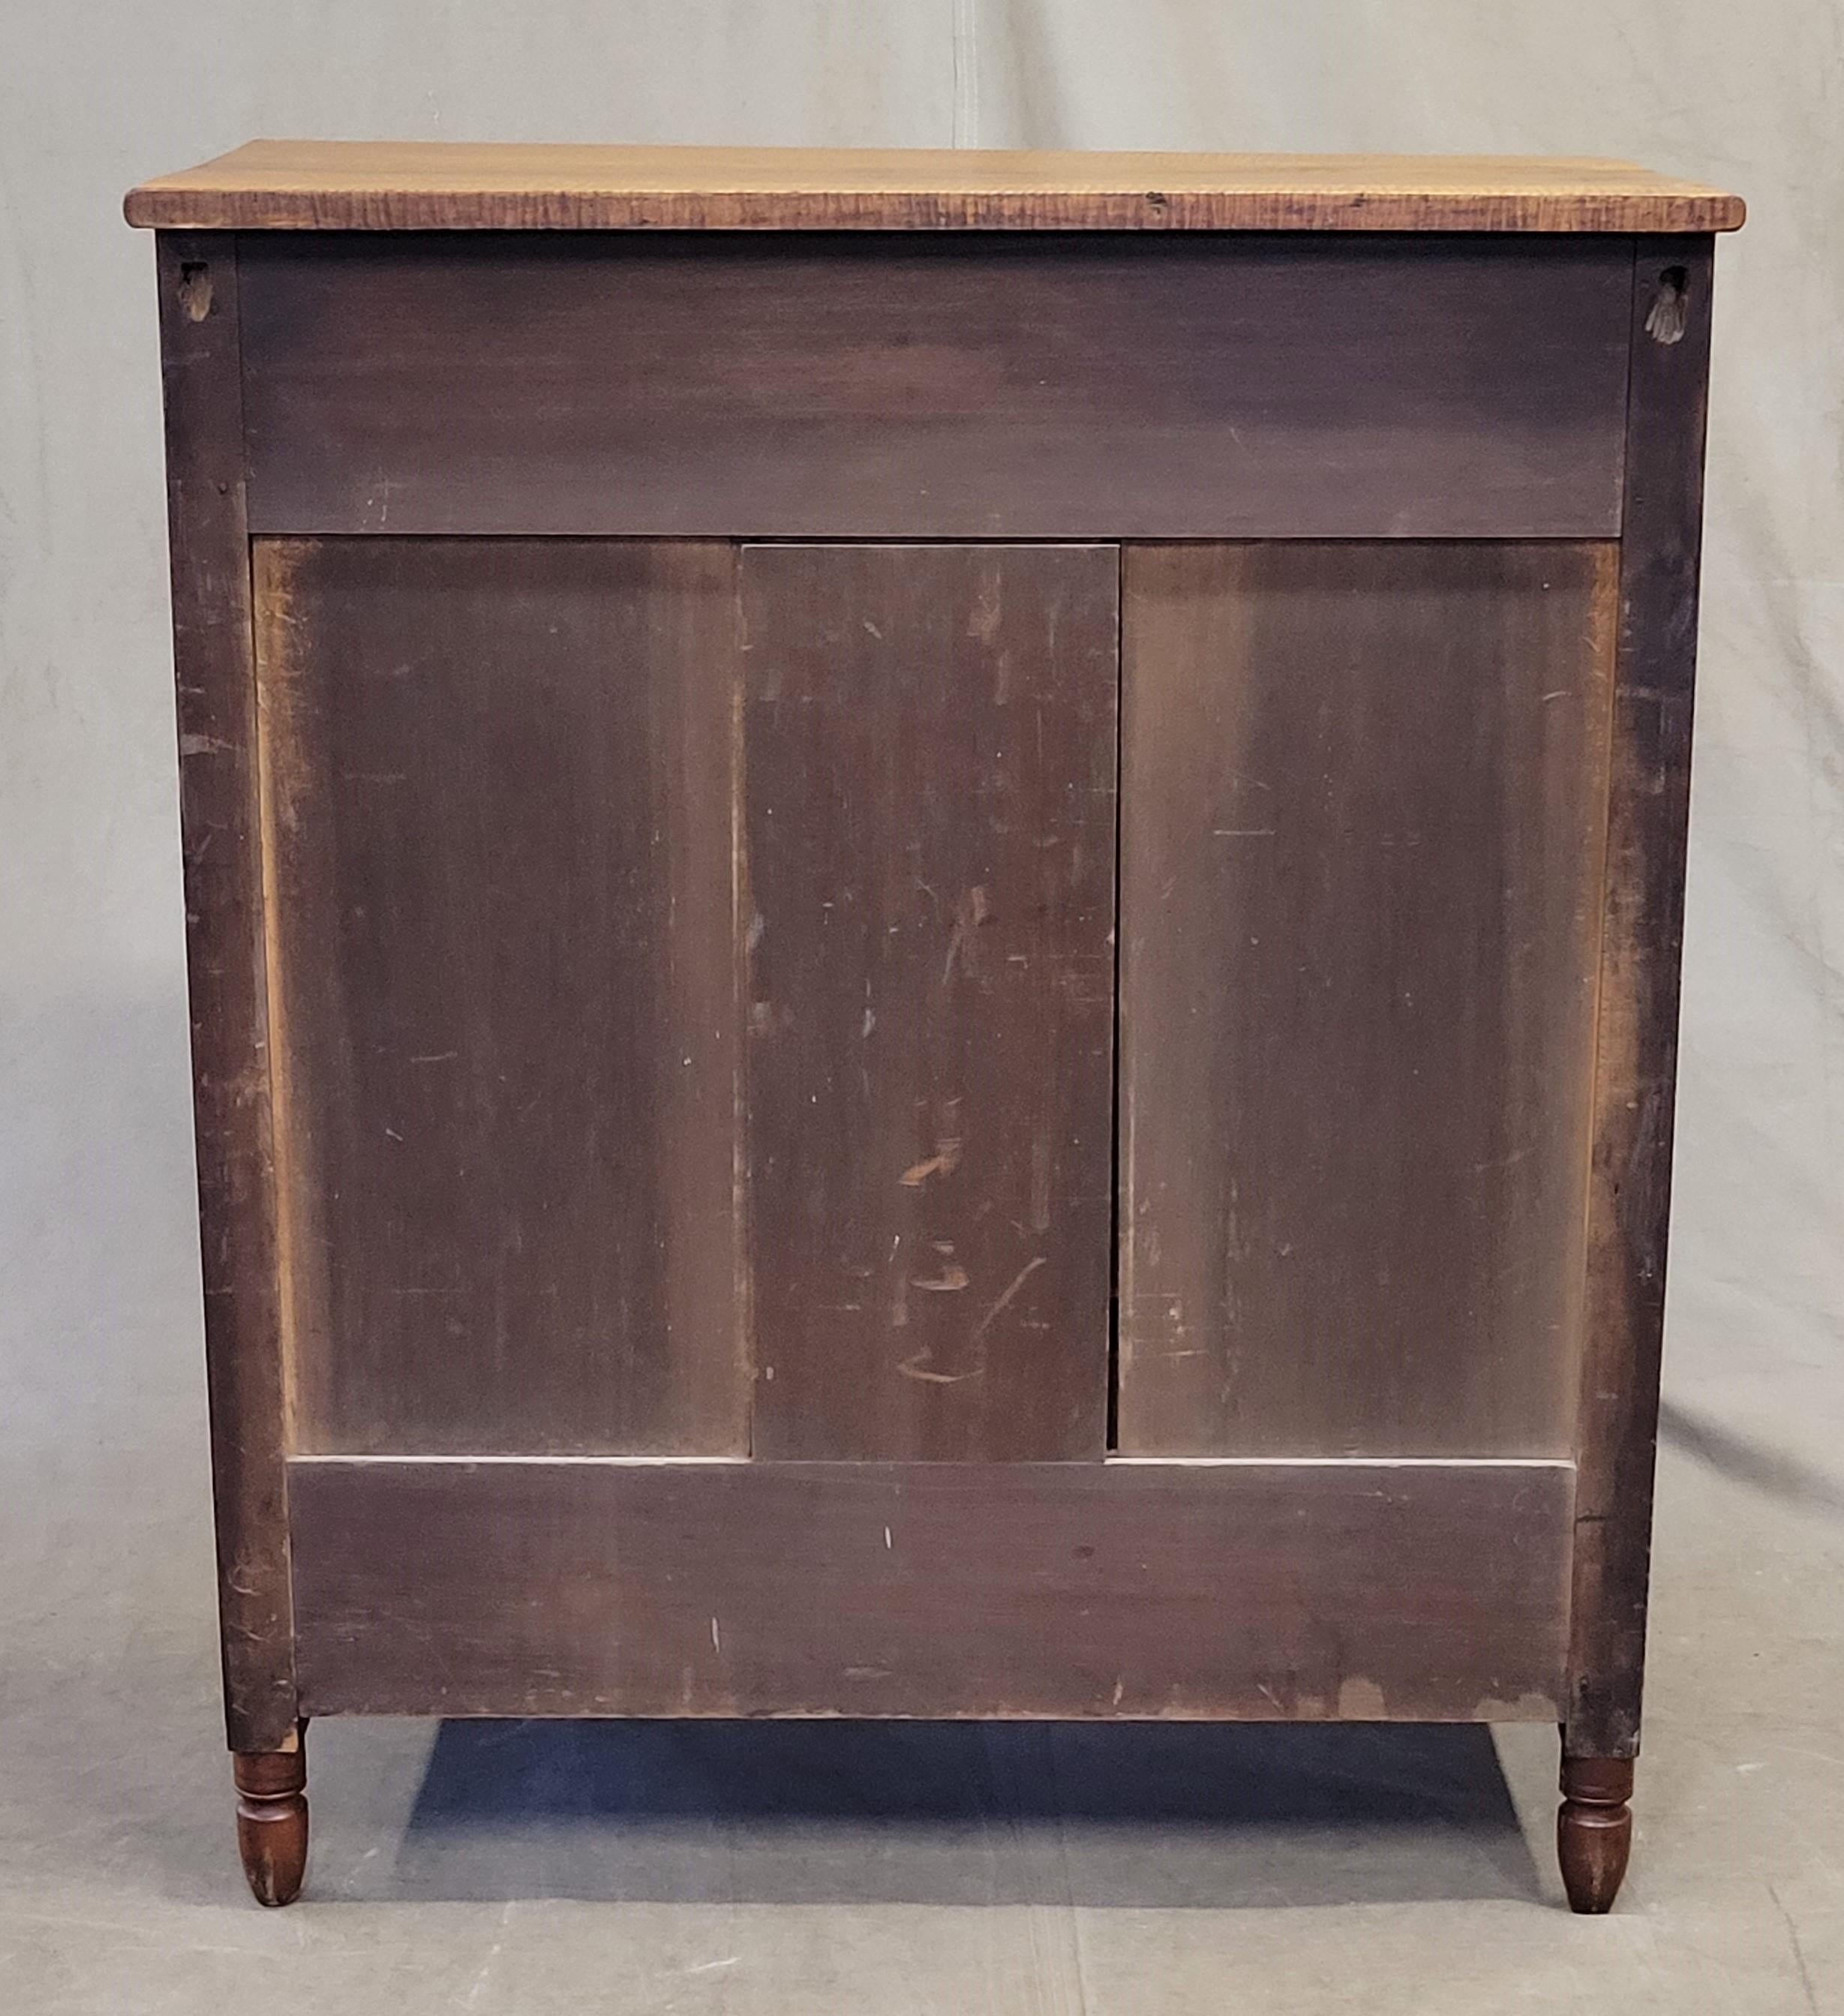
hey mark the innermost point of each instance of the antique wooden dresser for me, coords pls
(934, 905)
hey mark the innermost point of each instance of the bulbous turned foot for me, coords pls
(272, 1821)
(1594, 1830)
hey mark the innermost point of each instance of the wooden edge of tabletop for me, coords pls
(431, 185)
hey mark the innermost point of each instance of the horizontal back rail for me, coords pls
(895, 387)
(1405, 1591)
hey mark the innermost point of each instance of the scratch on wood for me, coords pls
(950, 1280)
(917, 1368)
(943, 1162)
(973, 909)
(1004, 1302)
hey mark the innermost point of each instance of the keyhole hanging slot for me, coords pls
(195, 290)
(1670, 309)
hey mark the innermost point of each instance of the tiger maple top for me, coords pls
(441, 185)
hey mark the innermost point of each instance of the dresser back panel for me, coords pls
(1363, 795)
(497, 778)
(929, 748)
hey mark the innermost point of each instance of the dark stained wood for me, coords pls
(936, 388)
(272, 1820)
(499, 789)
(370, 184)
(1594, 1830)
(1417, 1591)
(225, 964)
(1363, 788)
(1636, 1066)
(931, 750)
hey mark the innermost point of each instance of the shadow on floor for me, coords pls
(1162, 1815)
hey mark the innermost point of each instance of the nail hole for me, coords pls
(195, 290)
(1670, 309)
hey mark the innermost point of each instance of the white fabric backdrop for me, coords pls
(99, 1320)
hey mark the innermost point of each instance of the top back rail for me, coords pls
(951, 387)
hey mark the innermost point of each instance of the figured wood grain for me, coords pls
(372, 185)
(930, 737)
(220, 825)
(945, 388)
(1363, 790)
(1635, 1059)
(1309, 1592)
(500, 793)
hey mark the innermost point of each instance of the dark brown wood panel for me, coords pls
(857, 388)
(1417, 1592)
(499, 792)
(1636, 1068)
(219, 805)
(1363, 791)
(931, 740)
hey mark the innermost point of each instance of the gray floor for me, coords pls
(841, 1866)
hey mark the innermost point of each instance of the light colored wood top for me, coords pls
(439, 185)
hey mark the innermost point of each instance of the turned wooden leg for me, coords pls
(1594, 1829)
(272, 1820)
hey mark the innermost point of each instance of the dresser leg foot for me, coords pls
(272, 1820)
(1594, 1830)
